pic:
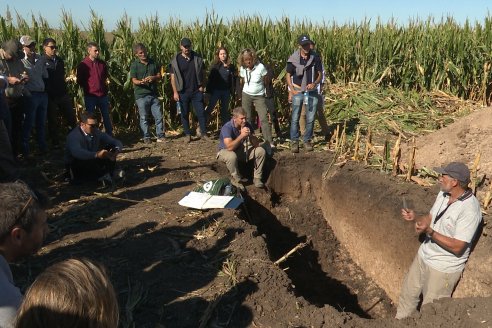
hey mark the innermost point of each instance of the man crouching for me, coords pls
(91, 154)
(238, 143)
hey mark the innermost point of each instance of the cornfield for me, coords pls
(420, 56)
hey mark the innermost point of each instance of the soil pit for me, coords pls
(321, 270)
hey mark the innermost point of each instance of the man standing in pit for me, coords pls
(449, 230)
(59, 101)
(92, 74)
(187, 81)
(145, 74)
(304, 73)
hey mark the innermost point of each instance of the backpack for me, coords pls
(219, 187)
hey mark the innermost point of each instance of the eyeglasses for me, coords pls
(94, 125)
(32, 45)
(52, 47)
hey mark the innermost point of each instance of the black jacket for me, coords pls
(215, 80)
(55, 85)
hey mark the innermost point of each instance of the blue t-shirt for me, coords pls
(230, 131)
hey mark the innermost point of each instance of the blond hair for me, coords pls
(247, 52)
(73, 293)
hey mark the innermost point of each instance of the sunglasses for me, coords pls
(52, 47)
(91, 125)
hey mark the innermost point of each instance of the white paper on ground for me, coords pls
(201, 200)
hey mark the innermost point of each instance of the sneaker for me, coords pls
(147, 141)
(118, 174)
(161, 139)
(308, 146)
(106, 180)
(258, 184)
(294, 146)
(187, 139)
(198, 132)
(205, 137)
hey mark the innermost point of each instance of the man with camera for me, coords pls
(91, 154)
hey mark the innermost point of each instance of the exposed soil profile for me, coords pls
(176, 267)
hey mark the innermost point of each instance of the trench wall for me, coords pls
(363, 208)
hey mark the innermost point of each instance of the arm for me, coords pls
(175, 90)
(422, 225)
(233, 144)
(288, 79)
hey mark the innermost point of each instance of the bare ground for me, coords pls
(176, 267)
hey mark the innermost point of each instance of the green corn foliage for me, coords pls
(422, 55)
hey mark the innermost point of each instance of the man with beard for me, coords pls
(449, 230)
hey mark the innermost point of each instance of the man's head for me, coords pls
(28, 44)
(12, 49)
(304, 43)
(455, 174)
(23, 226)
(185, 46)
(140, 51)
(50, 48)
(93, 50)
(88, 122)
(239, 117)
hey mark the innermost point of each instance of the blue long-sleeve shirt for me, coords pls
(83, 146)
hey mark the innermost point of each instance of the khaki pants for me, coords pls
(320, 115)
(422, 279)
(247, 102)
(231, 158)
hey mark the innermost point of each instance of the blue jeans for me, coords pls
(36, 108)
(197, 100)
(297, 101)
(91, 102)
(224, 96)
(147, 105)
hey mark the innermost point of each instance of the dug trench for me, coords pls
(349, 247)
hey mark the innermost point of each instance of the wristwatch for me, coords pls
(430, 234)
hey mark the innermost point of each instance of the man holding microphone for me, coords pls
(238, 143)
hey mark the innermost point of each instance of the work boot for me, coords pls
(294, 146)
(237, 184)
(258, 184)
(308, 146)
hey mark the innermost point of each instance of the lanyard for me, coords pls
(465, 195)
(248, 78)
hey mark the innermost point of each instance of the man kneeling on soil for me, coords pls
(237, 143)
(450, 228)
(90, 153)
(23, 229)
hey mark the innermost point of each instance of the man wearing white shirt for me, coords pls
(450, 228)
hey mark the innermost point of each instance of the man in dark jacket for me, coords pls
(59, 101)
(187, 81)
(90, 153)
(92, 74)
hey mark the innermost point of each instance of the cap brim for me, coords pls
(303, 43)
(440, 170)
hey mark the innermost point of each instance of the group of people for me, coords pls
(33, 88)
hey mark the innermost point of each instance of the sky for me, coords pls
(317, 11)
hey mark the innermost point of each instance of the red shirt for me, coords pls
(91, 76)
